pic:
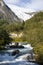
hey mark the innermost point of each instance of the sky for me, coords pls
(29, 4)
(21, 6)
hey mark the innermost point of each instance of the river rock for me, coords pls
(15, 52)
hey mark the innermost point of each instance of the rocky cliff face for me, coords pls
(7, 14)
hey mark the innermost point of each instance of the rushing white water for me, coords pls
(11, 60)
(18, 59)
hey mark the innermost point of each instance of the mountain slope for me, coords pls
(33, 31)
(8, 20)
(6, 13)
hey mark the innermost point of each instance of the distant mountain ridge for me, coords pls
(7, 14)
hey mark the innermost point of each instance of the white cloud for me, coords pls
(11, 1)
(35, 4)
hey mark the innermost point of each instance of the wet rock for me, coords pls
(15, 52)
(16, 46)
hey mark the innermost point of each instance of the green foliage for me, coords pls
(34, 29)
(4, 38)
(6, 27)
(39, 52)
(33, 32)
(11, 26)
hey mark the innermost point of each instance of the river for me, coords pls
(6, 57)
